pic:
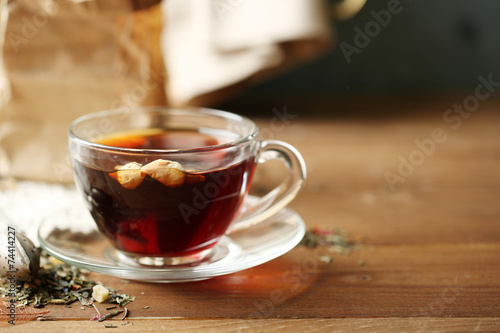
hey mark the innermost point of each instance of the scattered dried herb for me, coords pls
(125, 314)
(334, 240)
(326, 259)
(61, 284)
(110, 315)
(44, 318)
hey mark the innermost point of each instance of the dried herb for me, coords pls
(110, 315)
(120, 299)
(333, 240)
(125, 315)
(58, 283)
(326, 259)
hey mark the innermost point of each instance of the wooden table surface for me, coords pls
(432, 224)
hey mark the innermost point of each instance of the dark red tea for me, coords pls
(154, 216)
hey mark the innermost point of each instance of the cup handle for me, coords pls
(280, 196)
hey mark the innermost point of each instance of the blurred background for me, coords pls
(429, 47)
(65, 58)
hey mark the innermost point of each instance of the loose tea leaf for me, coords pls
(125, 315)
(120, 299)
(57, 283)
(110, 315)
(333, 240)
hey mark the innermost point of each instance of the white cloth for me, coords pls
(212, 44)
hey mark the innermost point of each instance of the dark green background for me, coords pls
(429, 47)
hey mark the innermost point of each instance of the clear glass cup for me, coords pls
(165, 184)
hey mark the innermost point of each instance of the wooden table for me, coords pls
(433, 230)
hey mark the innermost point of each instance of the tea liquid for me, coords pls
(157, 220)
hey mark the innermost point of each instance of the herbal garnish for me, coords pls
(125, 315)
(333, 240)
(61, 284)
(109, 315)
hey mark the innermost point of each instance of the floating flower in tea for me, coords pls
(169, 173)
(130, 175)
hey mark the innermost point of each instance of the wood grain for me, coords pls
(483, 324)
(446, 280)
(432, 261)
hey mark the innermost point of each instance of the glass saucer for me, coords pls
(81, 245)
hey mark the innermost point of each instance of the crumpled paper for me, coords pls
(64, 58)
(5, 92)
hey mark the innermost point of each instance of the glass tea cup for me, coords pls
(165, 184)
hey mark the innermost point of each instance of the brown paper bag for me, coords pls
(63, 59)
